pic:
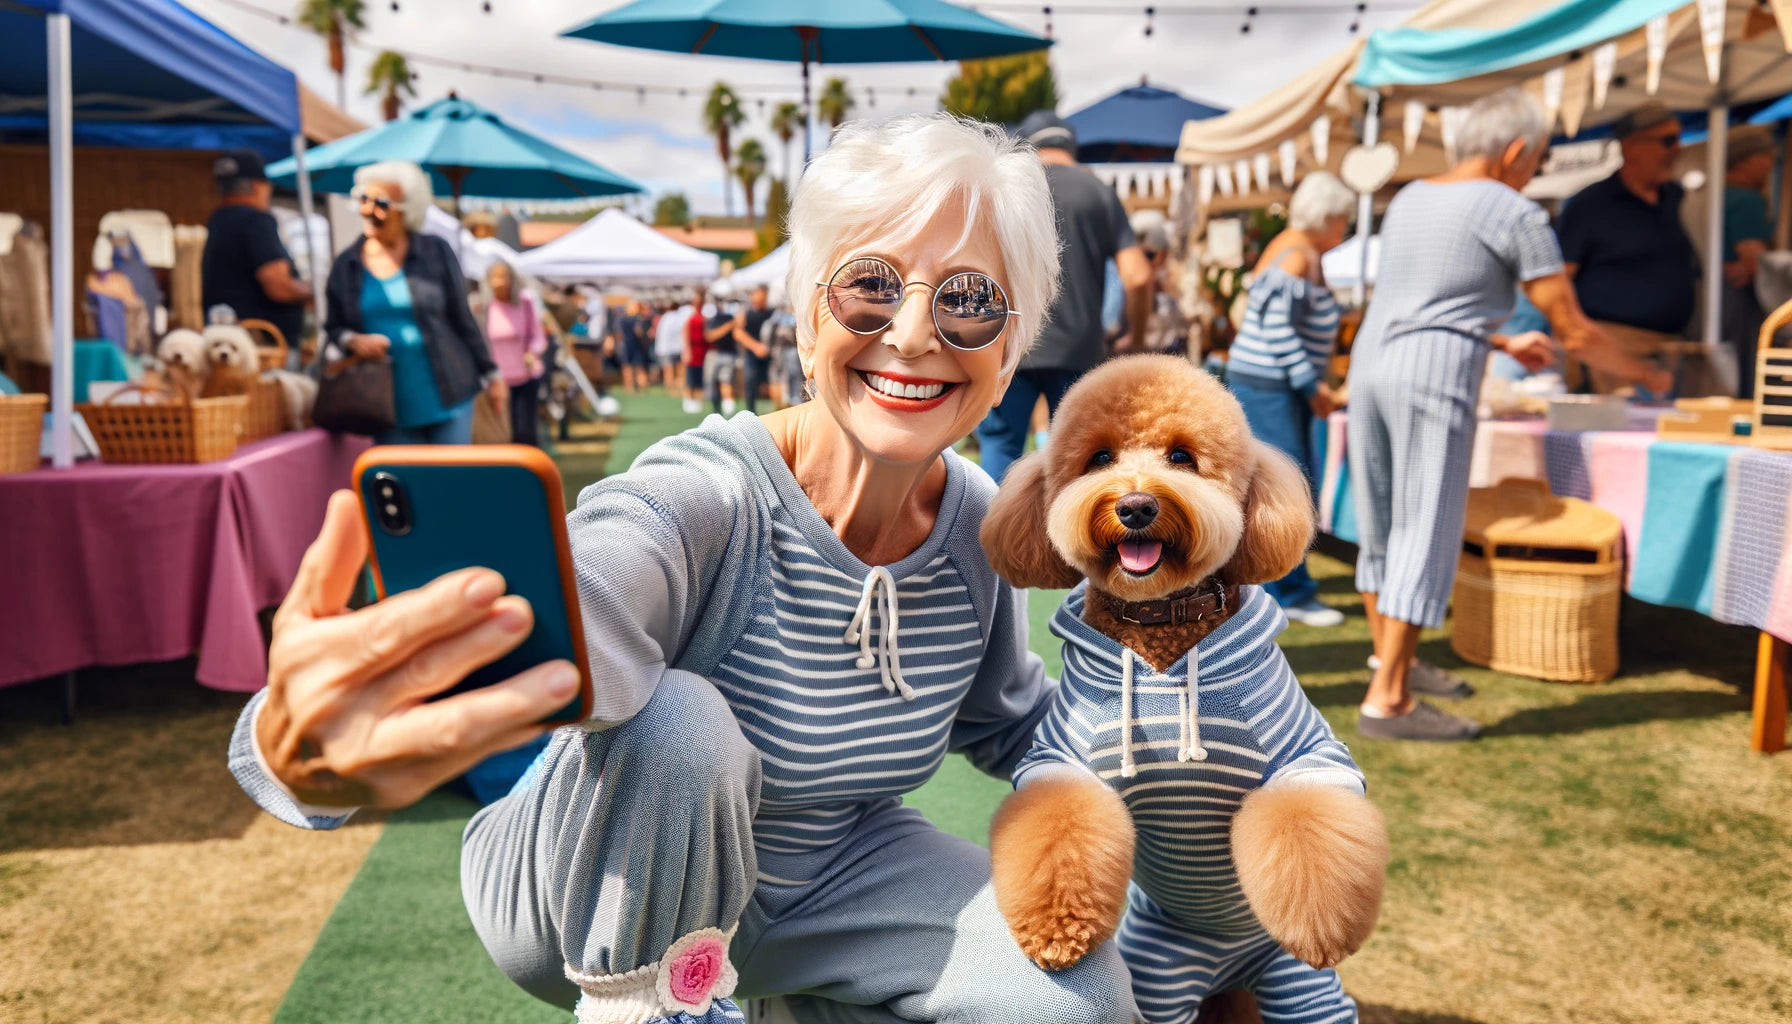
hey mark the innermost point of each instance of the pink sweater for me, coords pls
(512, 329)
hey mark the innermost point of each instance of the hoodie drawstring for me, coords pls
(858, 631)
(1188, 743)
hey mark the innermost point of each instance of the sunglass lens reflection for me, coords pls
(864, 295)
(970, 311)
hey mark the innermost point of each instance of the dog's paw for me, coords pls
(1312, 861)
(1061, 855)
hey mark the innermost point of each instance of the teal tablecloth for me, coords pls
(97, 360)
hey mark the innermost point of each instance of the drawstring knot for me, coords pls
(858, 631)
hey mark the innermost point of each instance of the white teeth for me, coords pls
(895, 389)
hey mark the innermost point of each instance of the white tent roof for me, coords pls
(614, 247)
(768, 270)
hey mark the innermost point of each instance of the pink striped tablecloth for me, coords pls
(113, 565)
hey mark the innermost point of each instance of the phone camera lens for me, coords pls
(393, 511)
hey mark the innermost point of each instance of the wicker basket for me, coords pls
(1538, 585)
(273, 357)
(266, 415)
(21, 431)
(164, 429)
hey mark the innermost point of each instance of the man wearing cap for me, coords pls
(1092, 229)
(1634, 269)
(245, 265)
(1747, 235)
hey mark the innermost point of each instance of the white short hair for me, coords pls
(1495, 122)
(882, 185)
(410, 180)
(1318, 198)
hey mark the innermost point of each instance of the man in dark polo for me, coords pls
(1634, 269)
(245, 265)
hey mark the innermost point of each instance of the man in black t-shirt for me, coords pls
(756, 361)
(719, 364)
(245, 265)
(1093, 228)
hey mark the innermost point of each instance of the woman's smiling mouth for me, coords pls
(905, 394)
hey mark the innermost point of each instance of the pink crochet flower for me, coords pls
(694, 971)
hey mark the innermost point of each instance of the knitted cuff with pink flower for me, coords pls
(693, 974)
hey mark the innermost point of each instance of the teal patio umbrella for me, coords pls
(467, 150)
(810, 31)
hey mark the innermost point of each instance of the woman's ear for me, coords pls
(1278, 520)
(1013, 533)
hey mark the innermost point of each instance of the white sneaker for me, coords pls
(692, 407)
(1312, 613)
(727, 407)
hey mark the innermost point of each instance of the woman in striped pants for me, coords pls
(1454, 250)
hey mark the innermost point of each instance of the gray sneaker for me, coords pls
(1423, 722)
(1426, 678)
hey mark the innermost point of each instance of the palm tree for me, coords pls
(834, 104)
(390, 73)
(333, 19)
(721, 115)
(787, 120)
(749, 167)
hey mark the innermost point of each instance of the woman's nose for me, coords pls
(912, 333)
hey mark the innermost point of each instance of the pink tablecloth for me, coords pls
(111, 565)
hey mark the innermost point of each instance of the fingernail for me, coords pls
(563, 680)
(485, 588)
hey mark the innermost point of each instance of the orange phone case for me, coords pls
(524, 456)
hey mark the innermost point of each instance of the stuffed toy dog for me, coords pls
(1182, 778)
(232, 362)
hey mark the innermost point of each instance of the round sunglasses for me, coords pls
(970, 310)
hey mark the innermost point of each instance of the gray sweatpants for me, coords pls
(896, 922)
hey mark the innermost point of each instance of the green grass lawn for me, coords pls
(1609, 853)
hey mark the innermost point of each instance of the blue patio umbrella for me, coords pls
(467, 150)
(810, 31)
(1140, 124)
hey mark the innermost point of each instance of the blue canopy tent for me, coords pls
(146, 64)
(1139, 124)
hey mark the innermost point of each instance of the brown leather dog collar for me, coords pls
(1205, 599)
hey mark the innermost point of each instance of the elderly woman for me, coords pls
(399, 293)
(791, 624)
(519, 344)
(1279, 359)
(1454, 250)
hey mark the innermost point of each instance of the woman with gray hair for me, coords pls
(399, 294)
(1454, 251)
(1279, 360)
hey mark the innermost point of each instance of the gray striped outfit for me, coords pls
(764, 700)
(1452, 255)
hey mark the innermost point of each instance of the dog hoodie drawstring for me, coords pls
(1188, 743)
(858, 631)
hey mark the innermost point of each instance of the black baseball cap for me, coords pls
(1046, 130)
(239, 165)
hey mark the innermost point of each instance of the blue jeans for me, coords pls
(456, 429)
(1003, 433)
(1283, 419)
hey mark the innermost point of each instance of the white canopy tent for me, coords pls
(769, 270)
(614, 248)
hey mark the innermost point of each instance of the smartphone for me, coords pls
(433, 509)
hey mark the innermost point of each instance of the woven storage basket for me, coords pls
(21, 431)
(1538, 585)
(165, 429)
(266, 414)
(273, 357)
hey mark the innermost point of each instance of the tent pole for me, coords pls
(62, 246)
(1717, 140)
(314, 259)
(807, 35)
(1365, 204)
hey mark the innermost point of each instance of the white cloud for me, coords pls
(660, 141)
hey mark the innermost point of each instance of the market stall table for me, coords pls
(114, 565)
(1705, 525)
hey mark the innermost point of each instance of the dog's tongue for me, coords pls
(1139, 555)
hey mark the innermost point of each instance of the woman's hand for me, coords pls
(532, 363)
(1534, 350)
(368, 346)
(1323, 401)
(345, 721)
(498, 392)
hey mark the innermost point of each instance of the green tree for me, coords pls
(721, 115)
(749, 167)
(333, 19)
(834, 104)
(1002, 90)
(787, 120)
(672, 211)
(773, 229)
(391, 76)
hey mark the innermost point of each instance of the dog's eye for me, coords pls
(1102, 457)
(1181, 457)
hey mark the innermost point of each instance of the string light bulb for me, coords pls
(1048, 22)
(486, 6)
(1249, 13)
(394, 6)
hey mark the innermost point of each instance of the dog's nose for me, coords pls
(1136, 510)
